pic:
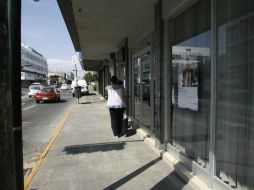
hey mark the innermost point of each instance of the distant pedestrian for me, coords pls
(116, 105)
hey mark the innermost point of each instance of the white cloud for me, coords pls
(59, 61)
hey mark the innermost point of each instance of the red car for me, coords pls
(49, 94)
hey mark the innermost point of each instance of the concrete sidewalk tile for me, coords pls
(87, 156)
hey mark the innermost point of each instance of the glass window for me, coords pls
(146, 79)
(191, 78)
(142, 79)
(235, 93)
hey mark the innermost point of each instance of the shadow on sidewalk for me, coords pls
(90, 148)
(92, 102)
(90, 94)
(100, 147)
(47, 102)
(173, 181)
(132, 175)
(86, 103)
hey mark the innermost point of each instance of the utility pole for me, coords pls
(76, 70)
(74, 61)
(7, 154)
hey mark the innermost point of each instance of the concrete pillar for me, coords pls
(15, 60)
(157, 58)
(7, 155)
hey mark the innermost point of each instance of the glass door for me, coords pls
(142, 98)
(145, 86)
(137, 89)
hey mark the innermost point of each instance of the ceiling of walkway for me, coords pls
(98, 27)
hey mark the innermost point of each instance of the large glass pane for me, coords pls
(137, 87)
(191, 82)
(146, 77)
(235, 93)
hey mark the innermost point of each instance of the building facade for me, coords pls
(34, 66)
(190, 85)
(59, 77)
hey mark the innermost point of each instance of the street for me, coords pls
(40, 121)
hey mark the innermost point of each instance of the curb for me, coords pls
(36, 167)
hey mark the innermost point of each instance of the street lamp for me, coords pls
(76, 70)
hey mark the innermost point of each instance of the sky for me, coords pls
(43, 29)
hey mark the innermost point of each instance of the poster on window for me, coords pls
(188, 85)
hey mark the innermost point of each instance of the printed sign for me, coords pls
(188, 85)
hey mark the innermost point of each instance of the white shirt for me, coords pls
(115, 96)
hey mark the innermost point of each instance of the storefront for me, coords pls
(187, 68)
(210, 126)
(190, 87)
(141, 75)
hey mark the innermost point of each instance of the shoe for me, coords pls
(117, 137)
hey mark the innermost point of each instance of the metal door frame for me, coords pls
(206, 175)
(135, 56)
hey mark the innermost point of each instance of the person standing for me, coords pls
(116, 105)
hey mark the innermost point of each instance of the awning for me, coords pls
(99, 27)
(92, 65)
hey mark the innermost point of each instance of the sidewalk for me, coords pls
(86, 156)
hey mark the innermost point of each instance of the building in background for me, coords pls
(34, 67)
(57, 78)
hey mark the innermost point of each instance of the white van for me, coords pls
(83, 84)
(33, 89)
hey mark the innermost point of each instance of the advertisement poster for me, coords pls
(188, 85)
(186, 63)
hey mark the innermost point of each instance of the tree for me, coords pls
(89, 77)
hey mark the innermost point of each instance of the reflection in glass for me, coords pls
(191, 77)
(137, 86)
(235, 98)
(146, 78)
(142, 78)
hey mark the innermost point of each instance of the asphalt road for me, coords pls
(40, 121)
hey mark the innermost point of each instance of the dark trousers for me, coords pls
(116, 115)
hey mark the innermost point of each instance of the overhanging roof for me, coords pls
(98, 27)
(66, 9)
(92, 65)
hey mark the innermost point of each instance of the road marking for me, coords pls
(29, 107)
(36, 167)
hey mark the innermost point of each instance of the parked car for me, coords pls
(49, 94)
(84, 87)
(64, 87)
(33, 89)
